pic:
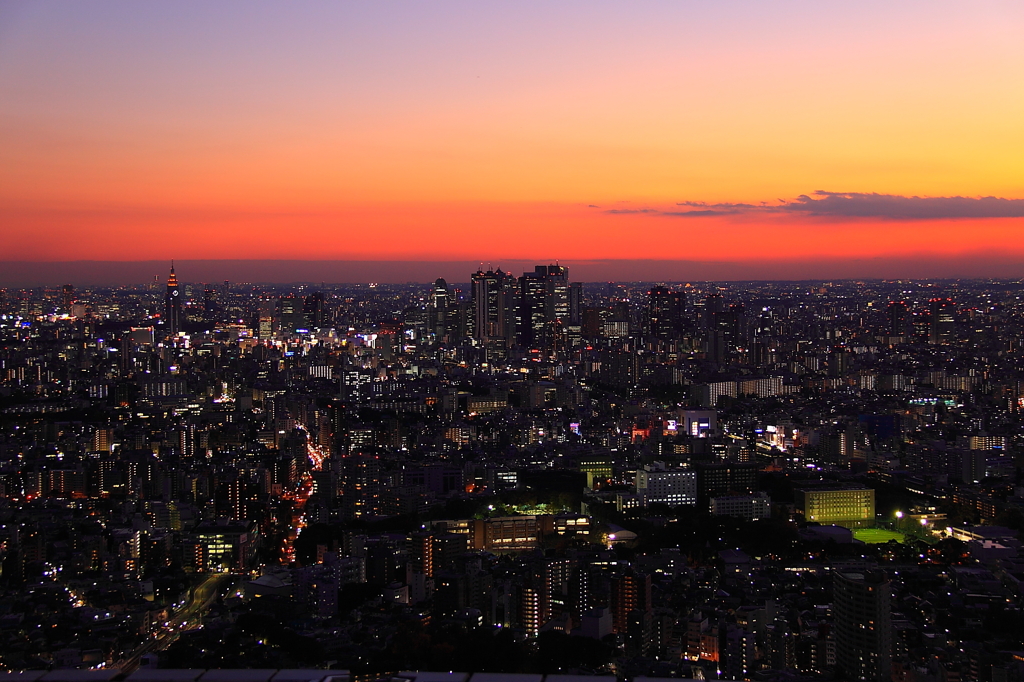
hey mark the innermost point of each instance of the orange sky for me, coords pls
(461, 131)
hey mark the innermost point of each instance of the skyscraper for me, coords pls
(897, 314)
(172, 305)
(544, 304)
(494, 296)
(942, 321)
(665, 311)
(863, 625)
(438, 307)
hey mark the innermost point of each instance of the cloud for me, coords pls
(896, 207)
(825, 204)
(702, 204)
(704, 213)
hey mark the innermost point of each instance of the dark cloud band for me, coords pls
(856, 205)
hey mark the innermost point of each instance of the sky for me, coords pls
(730, 133)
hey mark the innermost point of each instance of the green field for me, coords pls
(877, 536)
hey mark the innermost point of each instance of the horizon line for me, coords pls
(393, 271)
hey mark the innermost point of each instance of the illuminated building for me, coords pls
(227, 545)
(492, 312)
(530, 612)
(313, 310)
(543, 304)
(421, 554)
(172, 306)
(860, 605)
(942, 321)
(596, 469)
(67, 297)
(630, 592)
(440, 298)
(291, 313)
(843, 506)
(699, 423)
(657, 484)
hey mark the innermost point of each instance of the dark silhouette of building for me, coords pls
(863, 626)
(665, 311)
(897, 314)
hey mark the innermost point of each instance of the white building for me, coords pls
(674, 487)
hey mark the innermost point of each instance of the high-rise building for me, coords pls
(630, 592)
(860, 604)
(67, 297)
(172, 305)
(898, 321)
(291, 313)
(942, 321)
(494, 297)
(440, 299)
(575, 304)
(543, 305)
(211, 306)
(313, 310)
(665, 310)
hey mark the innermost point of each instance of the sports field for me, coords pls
(876, 536)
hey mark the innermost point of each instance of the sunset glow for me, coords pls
(489, 131)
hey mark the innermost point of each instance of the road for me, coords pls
(299, 497)
(189, 616)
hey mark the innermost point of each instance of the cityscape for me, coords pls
(511, 341)
(519, 473)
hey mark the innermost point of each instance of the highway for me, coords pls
(186, 618)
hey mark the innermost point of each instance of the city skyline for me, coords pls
(730, 136)
(584, 341)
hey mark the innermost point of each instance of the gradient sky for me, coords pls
(484, 131)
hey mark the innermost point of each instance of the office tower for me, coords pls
(313, 310)
(172, 305)
(210, 304)
(67, 297)
(713, 304)
(440, 299)
(493, 299)
(576, 304)
(860, 604)
(266, 313)
(291, 314)
(942, 321)
(665, 311)
(544, 304)
(897, 314)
